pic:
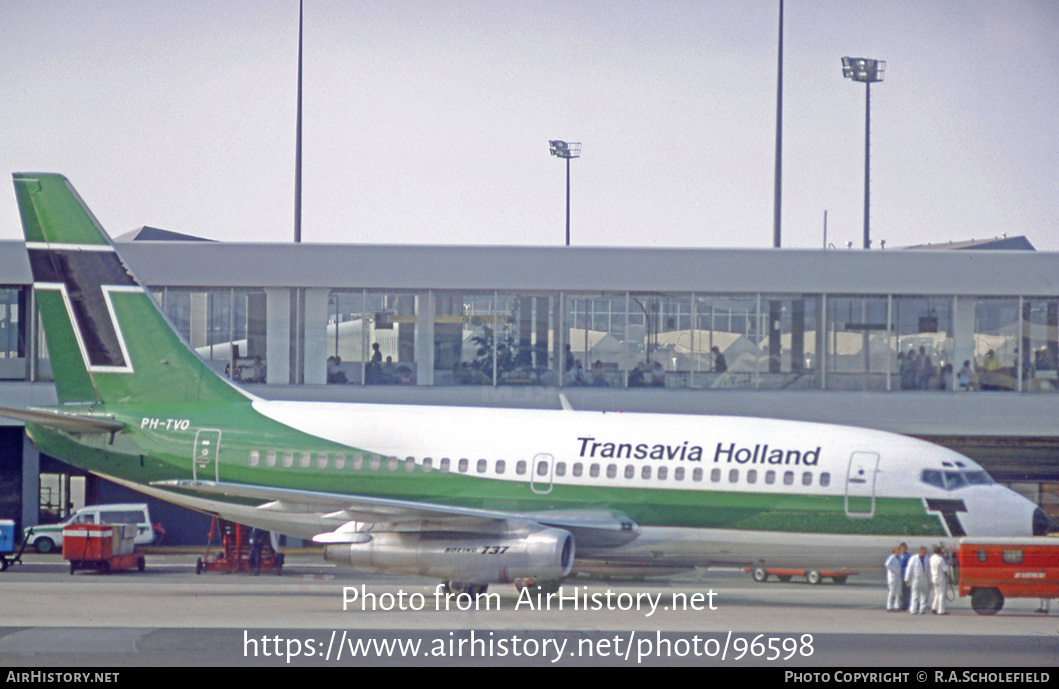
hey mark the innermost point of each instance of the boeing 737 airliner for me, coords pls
(471, 496)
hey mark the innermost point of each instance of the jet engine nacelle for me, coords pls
(547, 555)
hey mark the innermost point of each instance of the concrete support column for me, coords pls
(30, 483)
(424, 338)
(199, 317)
(963, 335)
(277, 335)
(315, 361)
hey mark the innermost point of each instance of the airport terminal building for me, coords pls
(955, 346)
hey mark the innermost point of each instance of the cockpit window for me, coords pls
(933, 477)
(954, 480)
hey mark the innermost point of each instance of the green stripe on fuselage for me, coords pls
(145, 455)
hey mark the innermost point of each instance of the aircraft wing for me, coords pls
(70, 423)
(591, 528)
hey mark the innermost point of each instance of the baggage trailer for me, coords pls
(104, 547)
(991, 570)
(813, 576)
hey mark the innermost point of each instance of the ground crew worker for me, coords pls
(894, 582)
(939, 577)
(916, 574)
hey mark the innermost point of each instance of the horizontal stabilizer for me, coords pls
(61, 421)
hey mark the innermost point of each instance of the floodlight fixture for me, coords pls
(866, 71)
(863, 69)
(566, 150)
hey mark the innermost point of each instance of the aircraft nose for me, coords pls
(1041, 523)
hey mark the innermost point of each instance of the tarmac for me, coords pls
(314, 614)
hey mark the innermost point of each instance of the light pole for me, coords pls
(867, 71)
(567, 150)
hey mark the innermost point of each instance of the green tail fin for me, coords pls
(106, 337)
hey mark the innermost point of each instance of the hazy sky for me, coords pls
(427, 121)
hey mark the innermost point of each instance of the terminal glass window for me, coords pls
(597, 337)
(923, 343)
(754, 341)
(858, 347)
(1039, 342)
(371, 337)
(464, 338)
(724, 342)
(348, 337)
(996, 343)
(13, 333)
(660, 327)
(226, 327)
(523, 342)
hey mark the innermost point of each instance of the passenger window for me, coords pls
(733, 476)
(751, 476)
(409, 463)
(807, 479)
(825, 479)
(445, 464)
(696, 475)
(678, 474)
(560, 469)
(630, 471)
(254, 458)
(462, 466)
(270, 459)
(501, 466)
(304, 459)
(321, 461)
(288, 459)
(593, 471)
(612, 470)
(981, 554)
(662, 473)
(770, 477)
(374, 461)
(542, 468)
(358, 462)
(391, 464)
(428, 464)
(646, 471)
(340, 461)
(483, 466)
(520, 467)
(577, 469)
(788, 478)
(715, 475)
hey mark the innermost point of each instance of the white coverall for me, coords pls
(893, 582)
(939, 577)
(916, 576)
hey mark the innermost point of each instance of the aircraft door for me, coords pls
(541, 473)
(207, 449)
(860, 485)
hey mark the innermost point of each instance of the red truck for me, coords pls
(992, 569)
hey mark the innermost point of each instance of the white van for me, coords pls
(45, 538)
